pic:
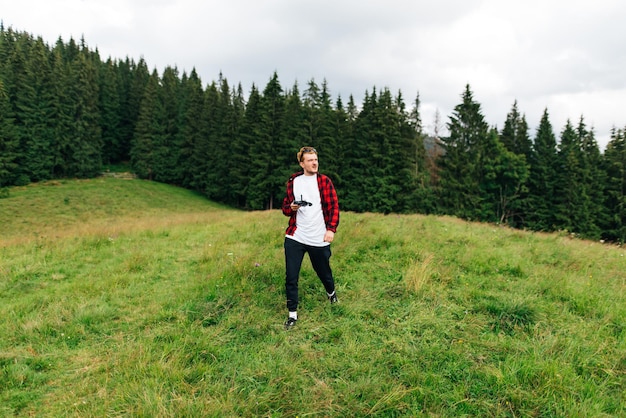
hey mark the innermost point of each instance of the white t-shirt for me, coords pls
(310, 225)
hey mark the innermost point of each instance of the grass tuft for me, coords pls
(509, 317)
(418, 275)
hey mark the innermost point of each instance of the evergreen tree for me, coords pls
(250, 134)
(150, 131)
(358, 161)
(358, 155)
(217, 144)
(133, 78)
(579, 190)
(422, 199)
(458, 187)
(40, 128)
(571, 199)
(111, 118)
(352, 161)
(233, 103)
(614, 163)
(63, 114)
(594, 181)
(539, 207)
(22, 97)
(320, 125)
(239, 172)
(406, 146)
(165, 151)
(86, 144)
(273, 160)
(296, 123)
(192, 132)
(225, 131)
(514, 135)
(386, 149)
(516, 139)
(503, 176)
(311, 102)
(8, 142)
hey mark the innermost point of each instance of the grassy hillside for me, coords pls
(130, 298)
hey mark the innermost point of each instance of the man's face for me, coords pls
(309, 163)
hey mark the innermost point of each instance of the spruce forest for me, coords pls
(65, 112)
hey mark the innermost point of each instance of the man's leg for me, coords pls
(320, 260)
(294, 253)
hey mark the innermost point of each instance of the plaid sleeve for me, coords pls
(286, 208)
(330, 203)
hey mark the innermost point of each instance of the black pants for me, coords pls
(320, 260)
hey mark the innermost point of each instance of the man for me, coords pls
(313, 209)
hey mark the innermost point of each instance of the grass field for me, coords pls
(131, 298)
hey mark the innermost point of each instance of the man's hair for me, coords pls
(305, 150)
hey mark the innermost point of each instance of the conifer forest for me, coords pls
(65, 112)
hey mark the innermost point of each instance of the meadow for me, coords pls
(126, 297)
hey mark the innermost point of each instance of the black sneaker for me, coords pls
(333, 299)
(290, 323)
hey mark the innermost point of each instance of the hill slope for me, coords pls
(124, 297)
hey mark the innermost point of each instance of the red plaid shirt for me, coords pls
(330, 203)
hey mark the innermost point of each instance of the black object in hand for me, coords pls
(302, 202)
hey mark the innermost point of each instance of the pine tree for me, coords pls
(22, 97)
(503, 176)
(594, 181)
(223, 129)
(273, 159)
(514, 135)
(296, 131)
(250, 133)
(539, 207)
(235, 106)
(150, 131)
(8, 142)
(571, 200)
(63, 114)
(322, 128)
(458, 189)
(515, 138)
(41, 128)
(579, 190)
(342, 131)
(422, 199)
(227, 134)
(111, 118)
(354, 158)
(404, 149)
(192, 131)
(86, 159)
(357, 196)
(239, 173)
(614, 163)
(165, 151)
(133, 78)
(348, 142)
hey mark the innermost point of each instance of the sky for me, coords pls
(566, 56)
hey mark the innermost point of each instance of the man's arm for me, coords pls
(331, 205)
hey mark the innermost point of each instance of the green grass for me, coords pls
(131, 298)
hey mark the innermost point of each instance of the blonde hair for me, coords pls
(305, 150)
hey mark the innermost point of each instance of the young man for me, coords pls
(313, 209)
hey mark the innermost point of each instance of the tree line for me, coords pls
(65, 112)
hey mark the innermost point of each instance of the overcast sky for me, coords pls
(564, 55)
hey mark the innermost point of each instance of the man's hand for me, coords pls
(329, 236)
(294, 206)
